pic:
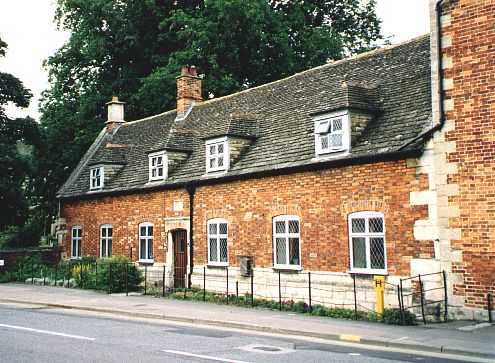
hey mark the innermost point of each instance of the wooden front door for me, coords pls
(179, 237)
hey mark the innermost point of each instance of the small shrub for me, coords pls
(393, 316)
(6, 277)
(111, 275)
(300, 307)
(28, 267)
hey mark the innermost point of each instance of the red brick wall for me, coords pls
(321, 199)
(49, 256)
(124, 213)
(473, 71)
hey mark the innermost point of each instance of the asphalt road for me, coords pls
(30, 333)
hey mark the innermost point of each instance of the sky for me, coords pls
(27, 27)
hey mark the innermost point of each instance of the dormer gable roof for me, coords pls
(393, 83)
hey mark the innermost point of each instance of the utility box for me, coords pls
(246, 265)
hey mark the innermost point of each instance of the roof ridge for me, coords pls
(338, 62)
(148, 117)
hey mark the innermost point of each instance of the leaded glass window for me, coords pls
(286, 242)
(367, 242)
(217, 241)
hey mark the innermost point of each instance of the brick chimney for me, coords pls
(115, 114)
(188, 90)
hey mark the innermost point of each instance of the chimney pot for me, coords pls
(115, 115)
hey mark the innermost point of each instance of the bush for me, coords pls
(27, 267)
(108, 274)
(393, 316)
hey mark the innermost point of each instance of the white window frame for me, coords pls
(163, 166)
(367, 235)
(106, 241)
(225, 154)
(148, 239)
(286, 235)
(76, 254)
(217, 236)
(93, 177)
(323, 128)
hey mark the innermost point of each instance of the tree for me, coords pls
(134, 49)
(17, 137)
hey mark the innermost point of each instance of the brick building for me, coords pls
(364, 166)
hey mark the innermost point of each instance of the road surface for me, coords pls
(35, 333)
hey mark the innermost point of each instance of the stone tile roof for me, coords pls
(393, 82)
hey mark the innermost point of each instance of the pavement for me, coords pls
(475, 341)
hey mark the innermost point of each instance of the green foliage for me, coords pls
(393, 316)
(17, 167)
(21, 236)
(27, 267)
(134, 49)
(108, 274)
(390, 316)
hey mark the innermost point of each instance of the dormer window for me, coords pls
(158, 166)
(96, 178)
(217, 155)
(332, 133)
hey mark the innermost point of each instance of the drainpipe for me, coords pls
(191, 190)
(438, 10)
(441, 119)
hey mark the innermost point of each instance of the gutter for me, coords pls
(313, 166)
(441, 119)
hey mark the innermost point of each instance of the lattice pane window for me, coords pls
(76, 237)
(359, 252)
(146, 242)
(223, 249)
(213, 249)
(331, 133)
(281, 252)
(367, 243)
(218, 242)
(106, 236)
(377, 253)
(217, 155)
(96, 178)
(158, 166)
(286, 242)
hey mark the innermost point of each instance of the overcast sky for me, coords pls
(27, 27)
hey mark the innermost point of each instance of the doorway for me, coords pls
(179, 238)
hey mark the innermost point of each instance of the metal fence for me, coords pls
(427, 297)
(422, 295)
(285, 289)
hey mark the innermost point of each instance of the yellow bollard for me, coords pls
(379, 289)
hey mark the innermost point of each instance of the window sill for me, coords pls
(76, 258)
(217, 264)
(368, 272)
(214, 173)
(288, 268)
(331, 155)
(146, 262)
(155, 181)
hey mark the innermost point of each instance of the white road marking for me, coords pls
(354, 353)
(399, 339)
(207, 357)
(46, 332)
